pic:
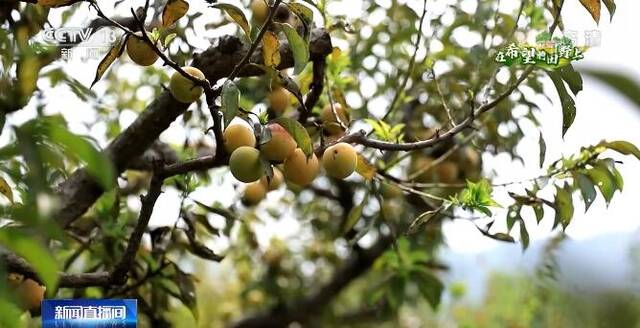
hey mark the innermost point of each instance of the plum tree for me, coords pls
(140, 51)
(254, 193)
(245, 164)
(275, 182)
(238, 135)
(299, 169)
(182, 88)
(329, 119)
(340, 160)
(279, 100)
(259, 10)
(280, 145)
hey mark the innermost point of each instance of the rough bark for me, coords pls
(304, 309)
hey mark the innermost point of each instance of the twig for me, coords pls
(119, 273)
(442, 99)
(256, 42)
(412, 62)
(360, 137)
(210, 93)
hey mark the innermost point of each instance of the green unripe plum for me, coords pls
(238, 135)
(140, 51)
(280, 145)
(340, 160)
(183, 89)
(245, 164)
(299, 169)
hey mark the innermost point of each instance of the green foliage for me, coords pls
(230, 101)
(476, 196)
(386, 132)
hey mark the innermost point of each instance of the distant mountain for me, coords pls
(602, 262)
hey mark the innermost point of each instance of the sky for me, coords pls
(602, 114)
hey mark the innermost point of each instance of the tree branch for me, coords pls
(118, 276)
(361, 138)
(119, 273)
(302, 310)
(80, 190)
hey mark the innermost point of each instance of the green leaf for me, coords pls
(306, 16)
(187, 287)
(33, 252)
(113, 54)
(11, 314)
(298, 132)
(623, 147)
(538, 210)
(568, 104)
(354, 215)
(611, 7)
(98, 164)
(524, 235)
(564, 206)
(303, 12)
(237, 15)
(420, 221)
(230, 101)
(298, 46)
(168, 39)
(513, 215)
(543, 149)
(291, 86)
(609, 166)
(604, 181)
(623, 83)
(477, 196)
(572, 77)
(586, 187)
(430, 287)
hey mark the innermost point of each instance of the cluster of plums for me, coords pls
(338, 160)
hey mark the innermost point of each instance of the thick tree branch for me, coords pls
(80, 191)
(118, 276)
(302, 310)
(119, 273)
(317, 86)
(361, 138)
